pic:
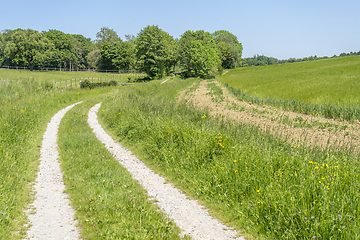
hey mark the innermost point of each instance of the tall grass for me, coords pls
(327, 87)
(252, 180)
(25, 109)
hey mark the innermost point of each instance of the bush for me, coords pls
(113, 83)
(85, 84)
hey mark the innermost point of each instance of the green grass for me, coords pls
(329, 87)
(108, 202)
(250, 179)
(52, 76)
(254, 181)
(25, 109)
(40, 76)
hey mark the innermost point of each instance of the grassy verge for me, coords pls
(327, 87)
(25, 109)
(109, 203)
(250, 179)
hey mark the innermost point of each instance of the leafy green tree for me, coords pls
(107, 35)
(28, 46)
(130, 38)
(1, 49)
(155, 51)
(83, 46)
(6, 38)
(107, 54)
(124, 56)
(229, 48)
(93, 58)
(64, 51)
(198, 54)
(203, 59)
(226, 55)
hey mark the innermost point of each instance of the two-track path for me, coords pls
(54, 218)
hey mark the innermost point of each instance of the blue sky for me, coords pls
(277, 28)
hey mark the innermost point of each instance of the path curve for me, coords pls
(190, 216)
(54, 217)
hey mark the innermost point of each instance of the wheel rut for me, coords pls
(53, 217)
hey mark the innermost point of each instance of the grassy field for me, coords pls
(329, 87)
(49, 76)
(250, 179)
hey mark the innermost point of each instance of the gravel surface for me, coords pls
(190, 216)
(54, 218)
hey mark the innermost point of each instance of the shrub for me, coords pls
(85, 84)
(113, 83)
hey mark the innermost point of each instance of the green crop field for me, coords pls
(331, 84)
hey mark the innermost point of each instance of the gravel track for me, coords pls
(54, 218)
(190, 216)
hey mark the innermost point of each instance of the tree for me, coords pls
(124, 56)
(203, 59)
(64, 53)
(107, 54)
(107, 35)
(155, 52)
(226, 55)
(198, 54)
(1, 49)
(231, 55)
(93, 58)
(28, 46)
(83, 46)
(130, 38)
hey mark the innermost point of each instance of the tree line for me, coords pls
(261, 60)
(153, 51)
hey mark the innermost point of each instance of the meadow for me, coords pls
(249, 179)
(329, 87)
